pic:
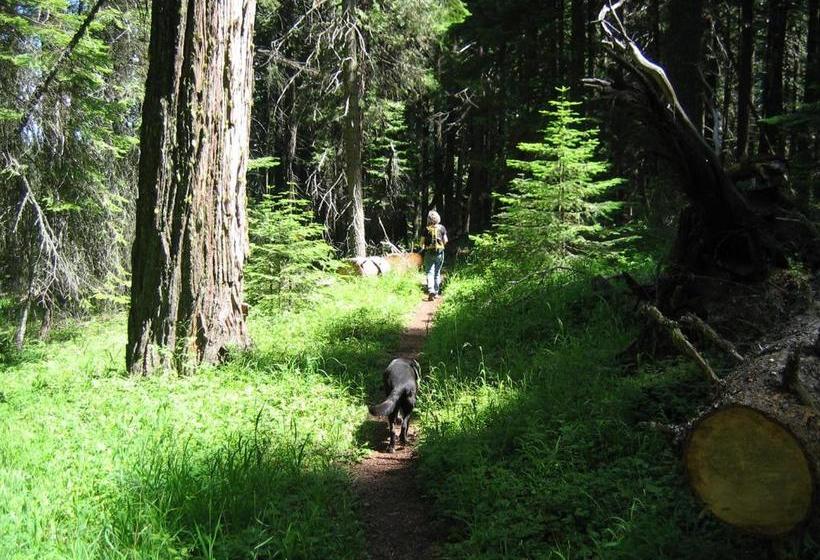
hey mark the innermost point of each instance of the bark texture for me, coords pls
(191, 235)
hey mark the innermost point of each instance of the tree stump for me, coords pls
(754, 456)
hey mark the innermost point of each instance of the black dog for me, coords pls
(401, 381)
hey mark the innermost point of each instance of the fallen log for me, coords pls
(754, 456)
(405, 262)
(399, 263)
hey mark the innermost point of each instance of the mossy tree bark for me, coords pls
(191, 233)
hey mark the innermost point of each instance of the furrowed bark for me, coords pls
(191, 235)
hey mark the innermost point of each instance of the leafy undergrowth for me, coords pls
(533, 445)
(240, 461)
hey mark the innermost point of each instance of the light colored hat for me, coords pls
(433, 218)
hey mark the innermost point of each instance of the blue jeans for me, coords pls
(432, 268)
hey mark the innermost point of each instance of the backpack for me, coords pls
(433, 239)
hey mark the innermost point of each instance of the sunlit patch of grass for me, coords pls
(245, 460)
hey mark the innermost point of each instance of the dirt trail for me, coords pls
(395, 516)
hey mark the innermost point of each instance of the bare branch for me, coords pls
(67, 52)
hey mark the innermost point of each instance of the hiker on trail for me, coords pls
(434, 240)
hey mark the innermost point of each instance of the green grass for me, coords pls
(245, 460)
(533, 446)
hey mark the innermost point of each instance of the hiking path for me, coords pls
(395, 515)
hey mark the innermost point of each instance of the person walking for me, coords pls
(433, 243)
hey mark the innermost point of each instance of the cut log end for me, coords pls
(750, 470)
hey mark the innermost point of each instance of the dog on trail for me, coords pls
(401, 382)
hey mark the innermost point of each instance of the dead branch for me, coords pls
(620, 41)
(680, 341)
(389, 243)
(696, 323)
(67, 52)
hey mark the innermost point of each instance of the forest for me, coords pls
(221, 222)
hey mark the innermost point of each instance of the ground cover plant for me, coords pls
(533, 443)
(244, 460)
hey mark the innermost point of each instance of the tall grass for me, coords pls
(245, 460)
(533, 446)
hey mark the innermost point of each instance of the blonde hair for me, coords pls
(433, 218)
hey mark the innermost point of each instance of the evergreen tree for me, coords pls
(69, 102)
(555, 208)
(288, 252)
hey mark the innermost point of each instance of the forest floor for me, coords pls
(395, 515)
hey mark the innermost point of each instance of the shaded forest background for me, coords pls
(449, 89)
(569, 179)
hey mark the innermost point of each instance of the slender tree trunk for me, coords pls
(805, 157)
(684, 53)
(560, 65)
(655, 26)
(577, 44)
(191, 234)
(45, 323)
(22, 323)
(813, 53)
(461, 223)
(438, 164)
(352, 136)
(744, 88)
(592, 37)
(478, 179)
(771, 141)
(710, 73)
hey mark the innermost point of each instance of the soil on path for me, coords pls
(394, 514)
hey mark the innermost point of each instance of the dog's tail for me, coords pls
(387, 407)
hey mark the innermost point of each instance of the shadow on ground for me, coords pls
(531, 445)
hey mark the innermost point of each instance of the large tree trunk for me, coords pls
(353, 132)
(744, 87)
(771, 141)
(191, 234)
